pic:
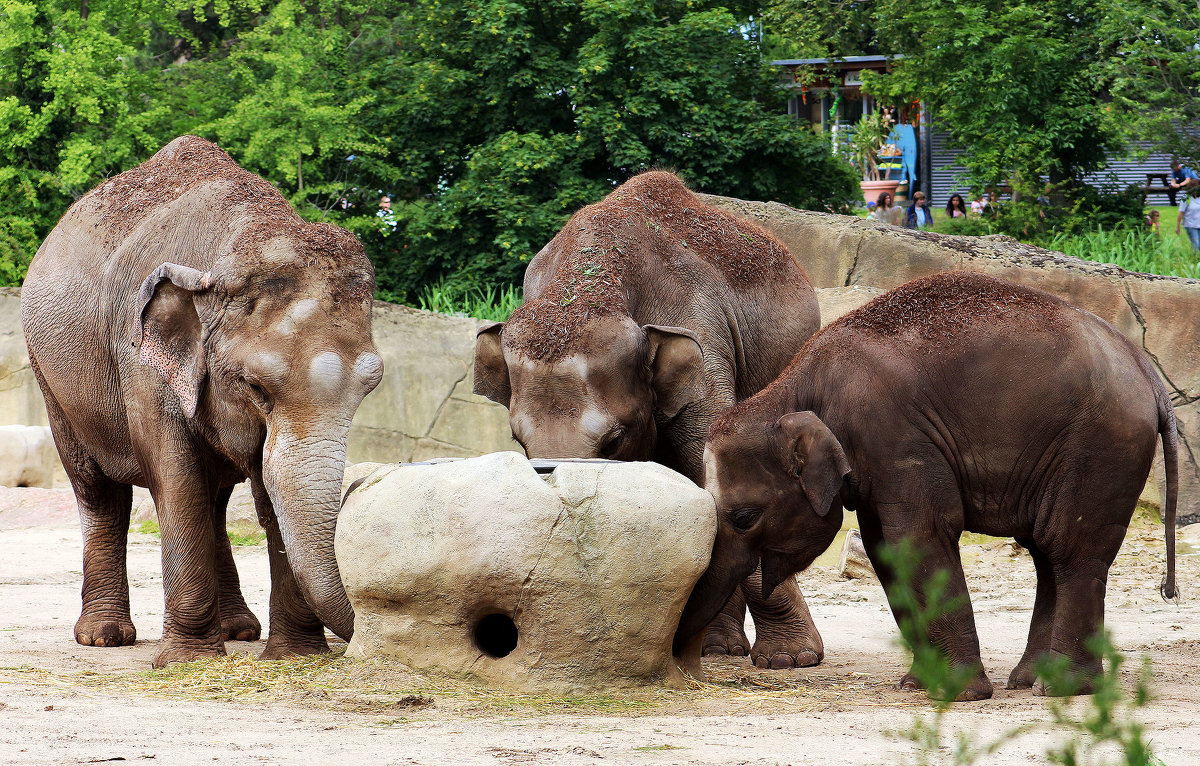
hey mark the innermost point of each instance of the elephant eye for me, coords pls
(612, 444)
(260, 395)
(742, 519)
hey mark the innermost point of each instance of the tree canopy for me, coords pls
(1029, 89)
(488, 121)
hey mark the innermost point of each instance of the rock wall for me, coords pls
(424, 407)
(1160, 314)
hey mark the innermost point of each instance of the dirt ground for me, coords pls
(62, 703)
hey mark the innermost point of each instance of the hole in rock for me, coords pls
(496, 635)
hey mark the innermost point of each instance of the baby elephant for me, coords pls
(953, 403)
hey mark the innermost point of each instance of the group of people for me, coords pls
(919, 215)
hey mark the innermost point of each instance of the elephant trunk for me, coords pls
(303, 477)
(732, 562)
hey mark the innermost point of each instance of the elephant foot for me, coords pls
(779, 654)
(184, 650)
(794, 643)
(240, 627)
(725, 637)
(910, 683)
(979, 688)
(280, 647)
(1080, 680)
(105, 631)
(1021, 677)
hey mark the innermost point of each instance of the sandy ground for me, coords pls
(61, 703)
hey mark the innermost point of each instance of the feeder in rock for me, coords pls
(567, 582)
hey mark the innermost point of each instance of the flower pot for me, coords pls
(872, 189)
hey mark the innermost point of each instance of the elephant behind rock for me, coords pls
(188, 331)
(646, 316)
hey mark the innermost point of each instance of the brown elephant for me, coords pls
(644, 318)
(953, 403)
(189, 331)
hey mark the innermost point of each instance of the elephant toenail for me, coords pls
(781, 661)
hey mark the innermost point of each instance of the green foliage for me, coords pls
(1155, 78)
(488, 121)
(1030, 89)
(490, 304)
(503, 118)
(1018, 85)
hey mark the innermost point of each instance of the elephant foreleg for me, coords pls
(238, 623)
(785, 636)
(191, 619)
(726, 634)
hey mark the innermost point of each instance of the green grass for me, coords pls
(491, 304)
(1167, 254)
(240, 533)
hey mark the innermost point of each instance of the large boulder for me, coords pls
(28, 457)
(564, 583)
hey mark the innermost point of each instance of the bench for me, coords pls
(1150, 188)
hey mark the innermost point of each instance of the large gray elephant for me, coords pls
(648, 315)
(189, 331)
(953, 403)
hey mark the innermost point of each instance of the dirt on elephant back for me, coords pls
(329, 252)
(653, 215)
(943, 305)
(185, 163)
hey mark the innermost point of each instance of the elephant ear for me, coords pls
(814, 457)
(676, 368)
(491, 371)
(172, 334)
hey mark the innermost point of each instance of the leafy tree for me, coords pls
(489, 121)
(501, 118)
(1020, 86)
(1156, 73)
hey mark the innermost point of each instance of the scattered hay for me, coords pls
(337, 683)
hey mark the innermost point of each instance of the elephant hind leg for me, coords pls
(238, 623)
(104, 509)
(1041, 626)
(726, 634)
(785, 636)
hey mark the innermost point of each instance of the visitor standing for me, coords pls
(1189, 219)
(387, 219)
(918, 216)
(887, 211)
(956, 207)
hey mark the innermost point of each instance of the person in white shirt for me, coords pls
(1189, 219)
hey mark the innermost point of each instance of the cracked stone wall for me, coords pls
(424, 407)
(1161, 314)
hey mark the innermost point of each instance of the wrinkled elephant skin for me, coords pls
(189, 331)
(953, 403)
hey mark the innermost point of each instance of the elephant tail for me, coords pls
(1170, 439)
